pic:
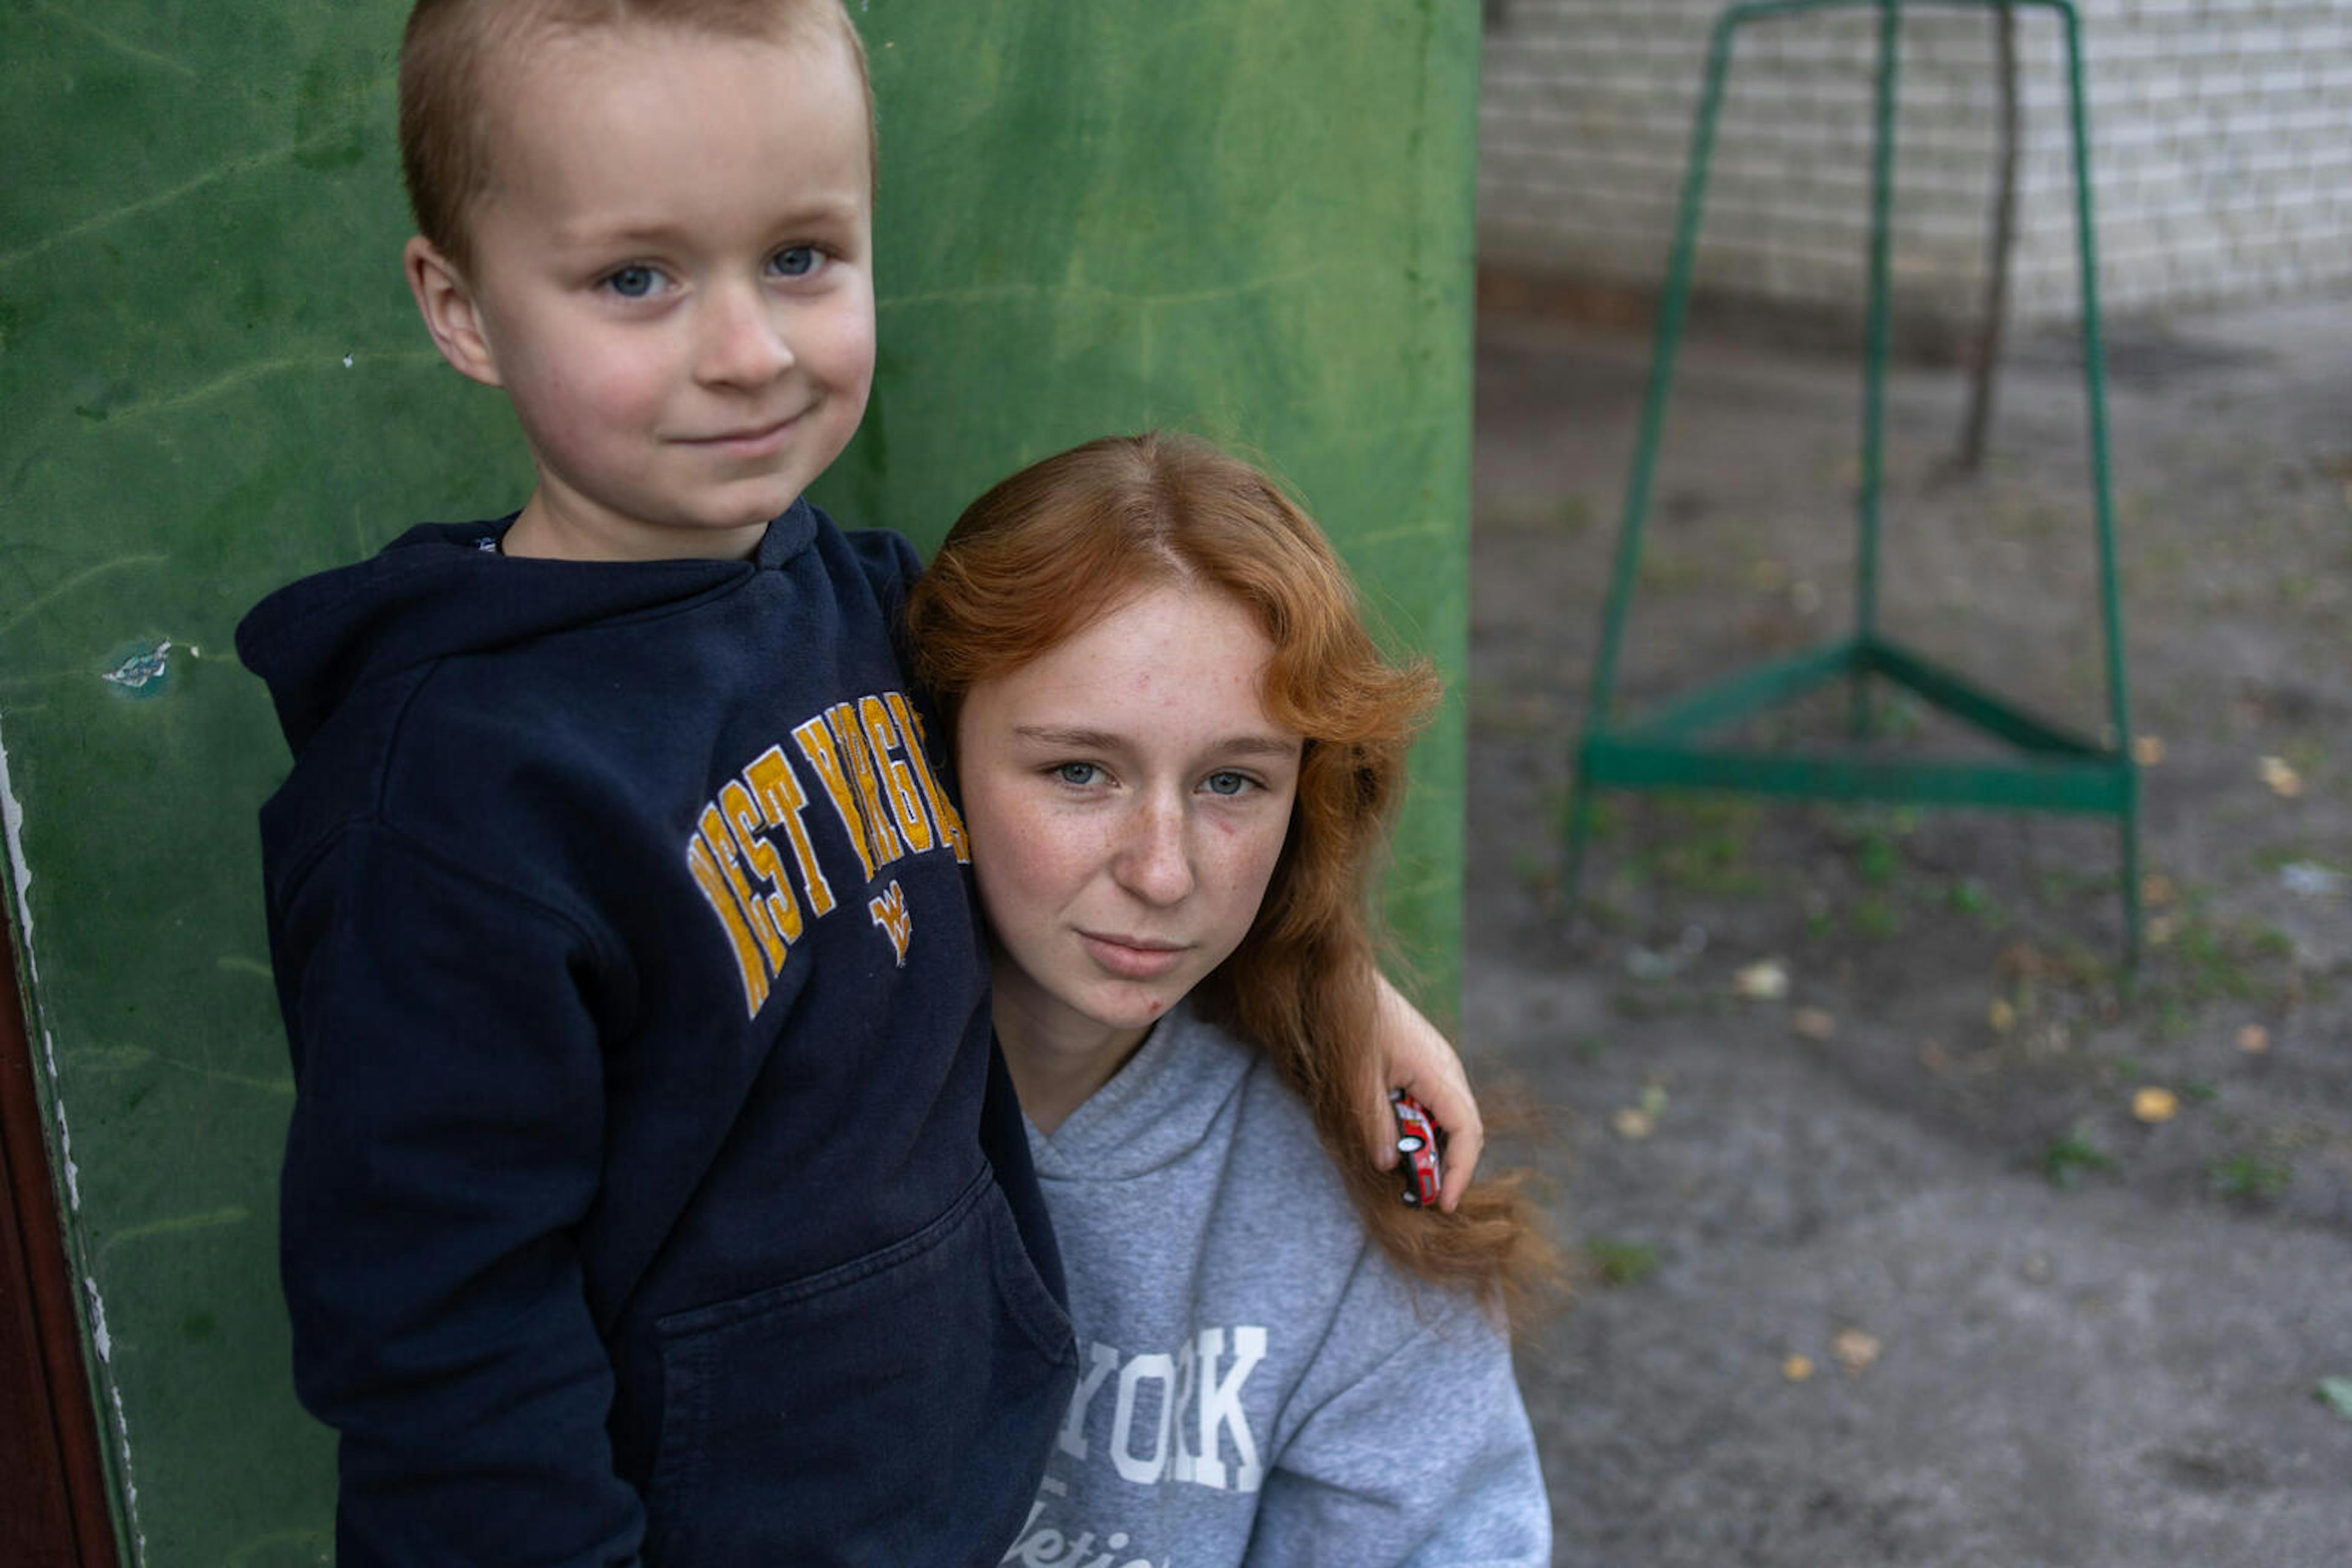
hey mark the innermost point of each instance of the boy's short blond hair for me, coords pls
(446, 83)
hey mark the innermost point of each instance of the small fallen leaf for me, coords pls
(2147, 751)
(1797, 1368)
(2156, 888)
(2285, 782)
(1634, 1124)
(1934, 1058)
(2336, 1393)
(2159, 929)
(1854, 1350)
(2002, 1017)
(1654, 1101)
(1812, 1023)
(1765, 981)
(2154, 1105)
(2253, 1040)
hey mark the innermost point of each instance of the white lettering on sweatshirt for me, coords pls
(1174, 1415)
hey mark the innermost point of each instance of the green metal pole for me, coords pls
(1672, 306)
(1874, 395)
(2094, 383)
(1656, 755)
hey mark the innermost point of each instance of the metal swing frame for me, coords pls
(2055, 769)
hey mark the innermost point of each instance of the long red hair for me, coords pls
(1068, 540)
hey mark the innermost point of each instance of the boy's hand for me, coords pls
(1413, 1057)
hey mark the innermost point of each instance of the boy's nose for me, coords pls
(743, 341)
(1155, 863)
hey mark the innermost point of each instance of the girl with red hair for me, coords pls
(1179, 751)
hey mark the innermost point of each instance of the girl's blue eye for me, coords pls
(796, 260)
(1078, 774)
(1227, 782)
(632, 282)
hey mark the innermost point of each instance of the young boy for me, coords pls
(652, 1191)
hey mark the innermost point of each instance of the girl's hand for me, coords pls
(1413, 1057)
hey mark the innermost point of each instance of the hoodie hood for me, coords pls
(1169, 1100)
(442, 589)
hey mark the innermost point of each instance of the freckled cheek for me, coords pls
(1244, 861)
(1044, 861)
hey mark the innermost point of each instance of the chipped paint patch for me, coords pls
(20, 874)
(98, 1334)
(12, 820)
(141, 671)
(65, 1134)
(130, 1482)
(104, 1344)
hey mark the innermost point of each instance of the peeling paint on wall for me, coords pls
(12, 820)
(142, 670)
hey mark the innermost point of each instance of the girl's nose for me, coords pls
(1155, 863)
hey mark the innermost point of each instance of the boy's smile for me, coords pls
(672, 281)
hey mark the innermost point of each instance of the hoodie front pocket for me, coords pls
(895, 1408)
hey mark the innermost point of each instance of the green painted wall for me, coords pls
(1249, 220)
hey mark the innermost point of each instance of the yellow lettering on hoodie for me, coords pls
(781, 800)
(851, 737)
(703, 866)
(743, 814)
(910, 724)
(883, 735)
(755, 913)
(816, 744)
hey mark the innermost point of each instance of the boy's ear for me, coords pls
(447, 302)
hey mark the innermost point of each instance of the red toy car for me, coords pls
(1417, 1141)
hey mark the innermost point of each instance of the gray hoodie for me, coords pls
(1258, 1383)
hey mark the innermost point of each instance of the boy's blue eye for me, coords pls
(795, 261)
(632, 282)
(1227, 782)
(1079, 774)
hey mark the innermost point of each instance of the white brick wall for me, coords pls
(2221, 134)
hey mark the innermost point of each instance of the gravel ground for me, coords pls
(1895, 1267)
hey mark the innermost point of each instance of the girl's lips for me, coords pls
(1131, 960)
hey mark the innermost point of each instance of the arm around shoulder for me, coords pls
(1413, 1057)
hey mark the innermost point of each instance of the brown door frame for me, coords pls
(53, 1496)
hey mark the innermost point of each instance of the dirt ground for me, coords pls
(1903, 1267)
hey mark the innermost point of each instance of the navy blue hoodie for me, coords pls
(653, 1189)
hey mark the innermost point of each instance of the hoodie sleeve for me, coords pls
(1424, 1460)
(446, 1140)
